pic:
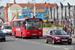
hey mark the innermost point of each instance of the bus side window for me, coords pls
(23, 25)
(19, 23)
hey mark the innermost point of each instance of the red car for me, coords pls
(57, 36)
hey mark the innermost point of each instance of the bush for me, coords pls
(73, 28)
(53, 26)
(47, 25)
(61, 25)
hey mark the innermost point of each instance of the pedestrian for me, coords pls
(64, 28)
(70, 30)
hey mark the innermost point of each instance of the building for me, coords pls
(1, 14)
(65, 15)
(11, 7)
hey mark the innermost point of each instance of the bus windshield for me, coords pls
(33, 25)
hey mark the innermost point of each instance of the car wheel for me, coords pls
(46, 41)
(53, 42)
(69, 43)
(1, 40)
(4, 39)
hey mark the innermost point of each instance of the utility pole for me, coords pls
(57, 10)
(34, 7)
(65, 13)
(69, 9)
(54, 14)
(61, 10)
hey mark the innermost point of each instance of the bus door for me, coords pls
(18, 29)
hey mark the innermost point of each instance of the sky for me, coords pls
(72, 2)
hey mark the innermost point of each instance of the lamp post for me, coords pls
(34, 7)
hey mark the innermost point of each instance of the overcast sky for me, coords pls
(72, 2)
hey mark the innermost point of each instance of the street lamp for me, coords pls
(34, 7)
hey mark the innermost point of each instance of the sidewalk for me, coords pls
(73, 35)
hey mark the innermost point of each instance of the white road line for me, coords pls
(35, 42)
(16, 39)
(25, 40)
(66, 48)
(55, 46)
(48, 45)
(12, 38)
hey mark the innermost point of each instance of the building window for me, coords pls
(74, 7)
(0, 13)
(3, 13)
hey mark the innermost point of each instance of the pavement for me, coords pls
(13, 43)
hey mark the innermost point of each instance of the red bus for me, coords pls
(28, 27)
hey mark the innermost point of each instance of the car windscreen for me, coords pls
(7, 27)
(59, 32)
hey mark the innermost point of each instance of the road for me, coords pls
(13, 43)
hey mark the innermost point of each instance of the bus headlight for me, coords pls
(27, 32)
(39, 32)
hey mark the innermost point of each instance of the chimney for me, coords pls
(14, 2)
(7, 4)
(28, 2)
(45, 2)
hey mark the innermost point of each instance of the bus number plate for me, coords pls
(34, 34)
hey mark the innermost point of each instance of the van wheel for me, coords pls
(22, 35)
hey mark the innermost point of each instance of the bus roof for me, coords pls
(24, 19)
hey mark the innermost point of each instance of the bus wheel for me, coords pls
(37, 37)
(22, 36)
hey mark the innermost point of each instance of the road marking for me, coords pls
(25, 40)
(48, 45)
(7, 37)
(35, 42)
(12, 38)
(16, 39)
(66, 48)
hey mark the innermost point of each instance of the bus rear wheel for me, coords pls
(22, 36)
(15, 35)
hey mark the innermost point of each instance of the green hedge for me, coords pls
(61, 25)
(47, 25)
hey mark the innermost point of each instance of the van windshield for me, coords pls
(7, 27)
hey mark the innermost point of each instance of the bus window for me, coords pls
(15, 24)
(23, 25)
(19, 23)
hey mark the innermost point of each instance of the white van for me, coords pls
(7, 29)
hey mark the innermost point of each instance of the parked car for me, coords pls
(58, 36)
(7, 29)
(2, 36)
